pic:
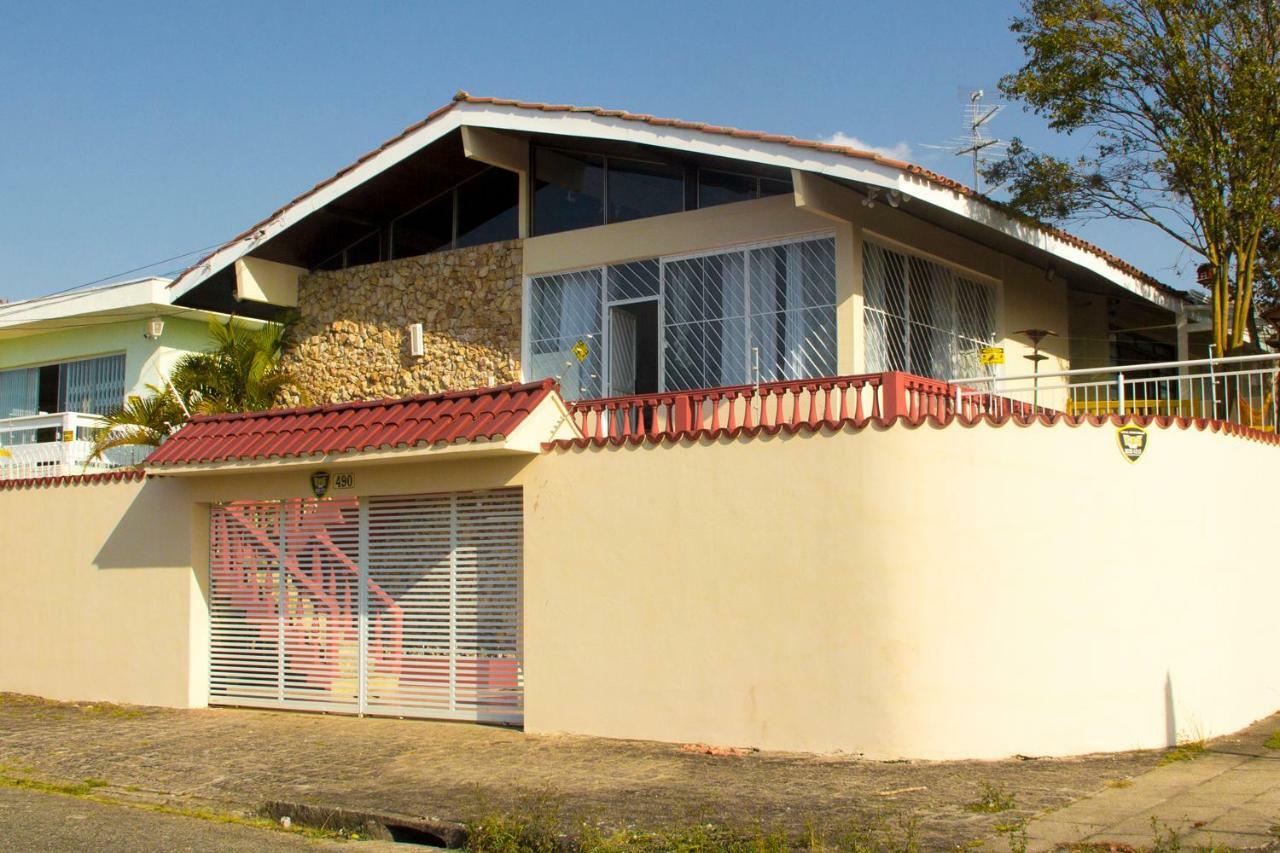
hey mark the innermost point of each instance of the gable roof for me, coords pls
(838, 161)
(424, 421)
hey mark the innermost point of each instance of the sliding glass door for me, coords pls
(725, 317)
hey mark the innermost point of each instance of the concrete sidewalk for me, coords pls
(454, 772)
(1227, 795)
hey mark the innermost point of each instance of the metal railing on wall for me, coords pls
(57, 445)
(1239, 389)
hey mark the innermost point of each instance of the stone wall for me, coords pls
(352, 337)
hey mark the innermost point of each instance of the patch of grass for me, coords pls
(1272, 742)
(1015, 834)
(532, 828)
(537, 826)
(1119, 783)
(1188, 751)
(993, 800)
(85, 790)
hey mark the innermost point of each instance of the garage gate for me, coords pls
(406, 605)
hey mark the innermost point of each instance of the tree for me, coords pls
(1181, 101)
(240, 373)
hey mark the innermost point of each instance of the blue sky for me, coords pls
(131, 132)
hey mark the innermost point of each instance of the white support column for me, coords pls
(840, 204)
(506, 152)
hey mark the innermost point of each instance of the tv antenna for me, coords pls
(975, 140)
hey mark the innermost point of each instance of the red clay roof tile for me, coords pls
(482, 414)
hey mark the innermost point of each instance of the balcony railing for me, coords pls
(771, 405)
(1239, 389)
(57, 445)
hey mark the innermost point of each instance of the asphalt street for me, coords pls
(31, 820)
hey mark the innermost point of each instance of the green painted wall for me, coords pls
(144, 359)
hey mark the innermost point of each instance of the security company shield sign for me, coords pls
(1133, 441)
(320, 483)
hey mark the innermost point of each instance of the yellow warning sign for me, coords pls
(991, 355)
(4, 454)
(580, 351)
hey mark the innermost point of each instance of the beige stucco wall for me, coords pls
(894, 592)
(101, 601)
(352, 336)
(903, 592)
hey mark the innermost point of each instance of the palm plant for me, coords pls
(141, 422)
(240, 373)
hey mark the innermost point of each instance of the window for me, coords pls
(93, 386)
(488, 208)
(922, 317)
(427, 229)
(367, 250)
(716, 187)
(482, 209)
(637, 189)
(722, 314)
(773, 306)
(568, 191)
(565, 309)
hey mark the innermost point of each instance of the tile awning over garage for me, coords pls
(503, 419)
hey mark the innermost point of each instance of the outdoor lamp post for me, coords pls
(1035, 336)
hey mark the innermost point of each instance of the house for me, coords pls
(681, 255)
(650, 429)
(69, 358)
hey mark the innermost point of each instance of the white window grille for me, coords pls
(722, 312)
(922, 317)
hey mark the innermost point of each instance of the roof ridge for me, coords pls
(383, 402)
(462, 96)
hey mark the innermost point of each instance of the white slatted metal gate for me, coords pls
(406, 605)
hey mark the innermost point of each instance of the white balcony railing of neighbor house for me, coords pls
(1239, 389)
(57, 445)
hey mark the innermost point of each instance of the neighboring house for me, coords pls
(69, 358)
(670, 255)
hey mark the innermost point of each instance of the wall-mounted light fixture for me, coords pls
(415, 340)
(155, 328)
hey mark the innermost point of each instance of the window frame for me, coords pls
(995, 284)
(605, 303)
(62, 363)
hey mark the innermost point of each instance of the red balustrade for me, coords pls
(853, 399)
(834, 399)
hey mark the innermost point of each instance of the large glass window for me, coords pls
(19, 392)
(637, 189)
(488, 208)
(568, 191)
(723, 314)
(564, 315)
(716, 187)
(427, 229)
(93, 386)
(482, 209)
(923, 317)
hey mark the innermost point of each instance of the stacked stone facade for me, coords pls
(351, 341)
